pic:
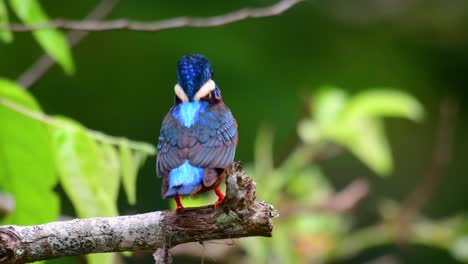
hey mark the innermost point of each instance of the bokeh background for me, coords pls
(124, 80)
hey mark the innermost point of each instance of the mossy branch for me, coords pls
(240, 215)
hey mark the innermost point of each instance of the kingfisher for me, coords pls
(198, 136)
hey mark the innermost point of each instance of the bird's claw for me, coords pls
(218, 203)
(179, 208)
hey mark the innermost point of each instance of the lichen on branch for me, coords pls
(240, 215)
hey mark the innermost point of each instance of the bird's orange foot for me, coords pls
(179, 203)
(220, 197)
(179, 208)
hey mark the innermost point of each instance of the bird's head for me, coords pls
(194, 78)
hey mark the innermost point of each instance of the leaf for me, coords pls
(309, 132)
(110, 179)
(281, 246)
(328, 105)
(369, 143)
(383, 103)
(101, 258)
(309, 187)
(264, 151)
(129, 170)
(359, 128)
(5, 34)
(195, 201)
(52, 41)
(257, 248)
(326, 109)
(26, 160)
(80, 165)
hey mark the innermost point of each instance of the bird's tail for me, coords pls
(183, 179)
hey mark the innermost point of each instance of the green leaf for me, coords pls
(264, 151)
(281, 246)
(309, 187)
(110, 179)
(81, 168)
(383, 103)
(52, 41)
(195, 201)
(26, 160)
(309, 132)
(369, 143)
(5, 34)
(460, 248)
(102, 258)
(129, 170)
(328, 105)
(359, 128)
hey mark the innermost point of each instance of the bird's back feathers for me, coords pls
(202, 136)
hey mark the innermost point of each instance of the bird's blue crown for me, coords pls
(192, 72)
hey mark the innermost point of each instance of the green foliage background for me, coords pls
(122, 85)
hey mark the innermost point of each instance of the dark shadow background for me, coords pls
(265, 67)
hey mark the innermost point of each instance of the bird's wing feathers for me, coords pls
(209, 143)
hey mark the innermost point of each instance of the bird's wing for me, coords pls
(209, 143)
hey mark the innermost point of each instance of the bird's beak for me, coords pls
(180, 93)
(206, 89)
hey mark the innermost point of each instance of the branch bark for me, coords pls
(240, 215)
(120, 24)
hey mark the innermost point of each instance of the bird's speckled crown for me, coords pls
(193, 71)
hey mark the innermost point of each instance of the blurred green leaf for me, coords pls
(264, 151)
(309, 132)
(382, 103)
(460, 248)
(367, 140)
(357, 124)
(309, 186)
(101, 258)
(81, 169)
(52, 41)
(282, 248)
(129, 170)
(328, 105)
(88, 174)
(194, 201)
(110, 179)
(257, 248)
(5, 35)
(26, 161)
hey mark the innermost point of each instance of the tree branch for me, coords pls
(436, 169)
(120, 24)
(43, 64)
(240, 215)
(7, 204)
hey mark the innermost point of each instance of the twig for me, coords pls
(436, 168)
(43, 64)
(348, 198)
(135, 145)
(7, 204)
(341, 202)
(214, 21)
(240, 215)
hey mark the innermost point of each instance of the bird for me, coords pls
(198, 136)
